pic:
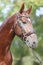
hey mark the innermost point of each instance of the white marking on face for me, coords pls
(29, 19)
(28, 28)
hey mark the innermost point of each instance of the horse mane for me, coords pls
(10, 20)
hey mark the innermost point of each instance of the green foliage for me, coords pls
(18, 47)
(36, 63)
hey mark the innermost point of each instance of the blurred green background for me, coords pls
(20, 53)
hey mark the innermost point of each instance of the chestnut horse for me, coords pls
(18, 24)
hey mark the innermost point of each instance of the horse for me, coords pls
(18, 24)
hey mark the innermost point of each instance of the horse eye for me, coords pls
(24, 22)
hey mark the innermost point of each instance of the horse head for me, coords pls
(24, 27)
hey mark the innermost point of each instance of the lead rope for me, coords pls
(36, 56)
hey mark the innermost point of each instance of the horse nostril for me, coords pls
(33, 42)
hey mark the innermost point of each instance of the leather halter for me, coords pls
(17, 22)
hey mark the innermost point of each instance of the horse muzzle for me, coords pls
(31, 40)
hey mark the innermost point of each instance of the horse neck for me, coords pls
(5, 30)
(8, 23)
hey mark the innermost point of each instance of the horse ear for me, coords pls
(22, 8)
(29, 10)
